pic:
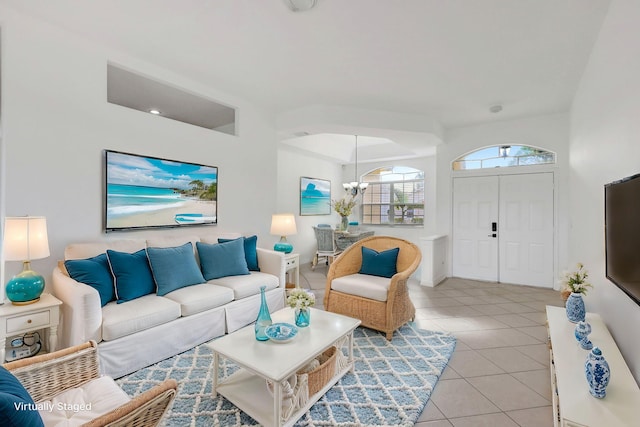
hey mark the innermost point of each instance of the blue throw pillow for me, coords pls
(174, 268)
(381, 264)
(17, 408)
(132, 274)
(250, 251)
(94, 272)
(223, 259)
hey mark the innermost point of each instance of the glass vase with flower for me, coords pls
(301, 300)
(344, 207)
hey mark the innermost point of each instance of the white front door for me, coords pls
(475, 209)
(526, 229)
(503, 228)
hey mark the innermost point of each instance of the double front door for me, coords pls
(503, 228)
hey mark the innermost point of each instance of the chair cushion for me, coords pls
(250, 251)
(381, 264)
(77, 406)
(142, 313)
(222, 259)
(132, 274)
(94, 272)
(244, 286)
(174, 268)
(363, 285)
(17, 408)
(197, 298)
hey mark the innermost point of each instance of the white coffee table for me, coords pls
(266, 360)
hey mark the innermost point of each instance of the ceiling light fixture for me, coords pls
(354, 186)
(495, 108)
(155, 111)
(300, 5)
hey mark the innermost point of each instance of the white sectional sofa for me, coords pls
(150, 328)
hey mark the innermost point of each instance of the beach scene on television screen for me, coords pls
(150, 192)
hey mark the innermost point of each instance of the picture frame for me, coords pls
(149, 192)
(315, 196)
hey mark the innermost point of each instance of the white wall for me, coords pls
(57, 122)
(293, 164)
(550, 132)
(605, 146)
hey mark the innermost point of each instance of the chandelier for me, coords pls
(354, 186)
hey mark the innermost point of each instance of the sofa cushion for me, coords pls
(132, 274)
(250, 251)
(174, 268)
(381, 264)
(222, 259)
(17, 408)
(363, 285)
(134, 316)
(244, 286)
(94, 272)
(93, 399)
(197, 298)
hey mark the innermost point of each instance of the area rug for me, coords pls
(391, 384)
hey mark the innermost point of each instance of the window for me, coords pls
(503, 156)
(395, 196)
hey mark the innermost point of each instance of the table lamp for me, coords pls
(283, 225)
(25, 239)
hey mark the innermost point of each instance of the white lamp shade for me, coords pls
(283, 224)
(25, 238)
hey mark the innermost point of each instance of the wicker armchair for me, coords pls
(48, 375)
(385, 316)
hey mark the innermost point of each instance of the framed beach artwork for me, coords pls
(315, 196)
(145, 192)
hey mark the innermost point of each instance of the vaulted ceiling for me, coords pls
(424, 65)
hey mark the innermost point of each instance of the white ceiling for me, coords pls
(447, 61)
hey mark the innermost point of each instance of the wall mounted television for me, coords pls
(147, 192)
(622, 234)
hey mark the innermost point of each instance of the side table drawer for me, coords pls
(292, 263)
(28, 321)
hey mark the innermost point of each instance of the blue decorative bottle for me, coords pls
(597, 372)
(264, 318)
(575, 307)
(582, 331)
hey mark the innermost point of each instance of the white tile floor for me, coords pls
(499, 373)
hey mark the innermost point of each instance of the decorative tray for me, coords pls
(281, 332)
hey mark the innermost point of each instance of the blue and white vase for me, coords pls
(597, 372)
(575, 307)
(582, 331)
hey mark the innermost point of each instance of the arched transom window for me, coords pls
(500, 156)
(395, 196)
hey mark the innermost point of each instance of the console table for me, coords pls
(573, 405)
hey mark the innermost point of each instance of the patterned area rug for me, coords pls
(390, 387)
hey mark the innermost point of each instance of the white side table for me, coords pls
(20, 319)
(292, 270)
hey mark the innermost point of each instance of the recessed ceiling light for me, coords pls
(155, 111)
(495, 108)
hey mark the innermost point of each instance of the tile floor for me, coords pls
(498, 375)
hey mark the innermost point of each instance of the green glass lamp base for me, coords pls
(26, 287)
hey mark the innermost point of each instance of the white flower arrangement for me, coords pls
(299, 298)
(576, 281)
